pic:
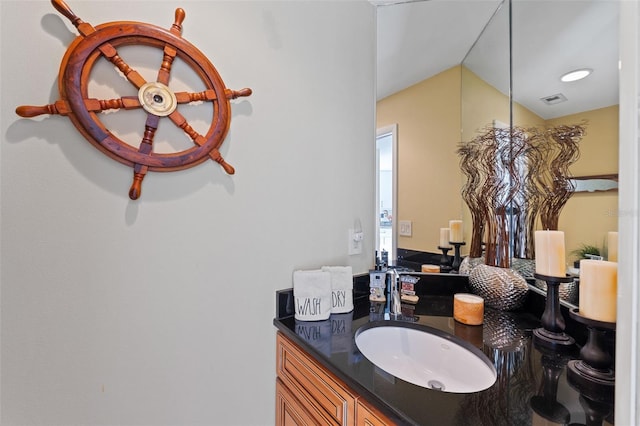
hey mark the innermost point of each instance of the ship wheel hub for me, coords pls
(157, 99)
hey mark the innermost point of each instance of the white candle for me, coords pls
(612, 246)
(455, 231)
(444, 238)
(468, 308)
(598, 289)
(550, 256)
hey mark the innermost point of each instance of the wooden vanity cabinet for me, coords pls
(308, 394)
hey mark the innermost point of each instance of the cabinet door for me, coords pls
(318, 388)
(289, 411)
(368, 416)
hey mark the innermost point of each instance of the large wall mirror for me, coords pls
(510, 74)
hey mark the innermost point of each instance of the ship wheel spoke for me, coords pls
(188, 97)
(61, 107)
(130, 74)
(179, 120)
(170, 51)
(146, 146)
(107, 49)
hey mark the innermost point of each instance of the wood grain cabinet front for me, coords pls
(306, 393)
(366, 415)
(290, 411)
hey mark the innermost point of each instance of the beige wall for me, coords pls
(587, 217)
(430, 117)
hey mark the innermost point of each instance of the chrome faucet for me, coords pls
(395, 308)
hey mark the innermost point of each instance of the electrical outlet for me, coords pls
(405, 228)
(355, 241)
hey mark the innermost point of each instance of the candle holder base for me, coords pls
(552, 334)
(457, 260)
(583, 373)
(445, 262)
(552, 340)
(594, 367)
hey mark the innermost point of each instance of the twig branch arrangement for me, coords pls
(558, 189)
(516, 176)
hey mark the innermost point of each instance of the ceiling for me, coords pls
(420, 38)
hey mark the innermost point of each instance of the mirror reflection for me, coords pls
(490, 83)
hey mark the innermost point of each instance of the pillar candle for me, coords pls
(598, 289)
(455, 231)
(550, 255)
(444, 238)
(612, 246)
(468, 308)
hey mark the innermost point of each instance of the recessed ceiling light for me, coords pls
(576, 75)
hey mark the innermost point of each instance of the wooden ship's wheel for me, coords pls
(155, 97)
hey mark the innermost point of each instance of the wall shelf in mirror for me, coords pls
(595, 183)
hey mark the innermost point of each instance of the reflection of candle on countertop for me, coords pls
(455, 231)
(471, 333)
(468, 308)
(598, 289)
(444, 238)
(550, 256)
(612, 246)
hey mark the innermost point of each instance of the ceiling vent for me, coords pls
(554, 99)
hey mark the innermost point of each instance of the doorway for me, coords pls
(386, 191)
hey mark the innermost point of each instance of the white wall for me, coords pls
(628, 328)
(159, 311)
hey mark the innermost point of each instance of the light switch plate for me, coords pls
(355, 242)
(405, 228)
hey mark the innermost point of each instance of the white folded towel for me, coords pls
(341, 288)
(312, 295)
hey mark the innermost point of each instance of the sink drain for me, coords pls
(436, 385)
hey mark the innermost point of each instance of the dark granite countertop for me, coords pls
(531, 388)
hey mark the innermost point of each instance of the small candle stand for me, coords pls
(593, 369)
(596, 395)
(552, 334)
(457, 260)
(445, 264)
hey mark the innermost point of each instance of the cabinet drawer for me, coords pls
(303, 375)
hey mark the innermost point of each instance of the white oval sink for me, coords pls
(427, 357)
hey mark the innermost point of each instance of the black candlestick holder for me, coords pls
(457, 260)
(552, 334)
(445, 262)
(594, 366)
